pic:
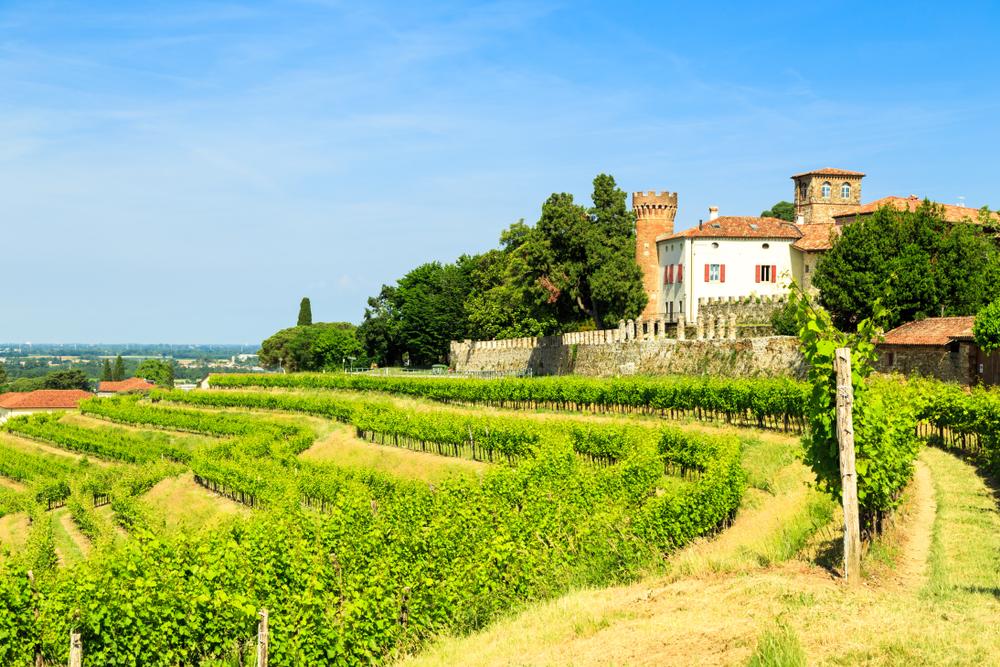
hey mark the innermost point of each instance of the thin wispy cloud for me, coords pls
(235, 155)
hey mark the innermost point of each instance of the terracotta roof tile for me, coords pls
(131, 384)
(739, 227)
(817, 236)
(829, 171)
(932, 331)
(44, 399)
(952, 213)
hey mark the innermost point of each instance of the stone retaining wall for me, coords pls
(623, 352)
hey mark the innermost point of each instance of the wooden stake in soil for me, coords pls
(75, 650)
(262, 639)
(848, 475)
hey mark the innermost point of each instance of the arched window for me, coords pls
(845, 191)
(826, 190)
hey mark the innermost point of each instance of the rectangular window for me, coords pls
(680, 273)
(765, 274)
(714, 273)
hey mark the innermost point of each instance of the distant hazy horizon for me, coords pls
(189, 172)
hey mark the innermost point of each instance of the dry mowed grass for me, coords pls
(341, 446)
(13, 532)
(179, 504)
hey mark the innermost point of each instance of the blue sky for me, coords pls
(185, 172)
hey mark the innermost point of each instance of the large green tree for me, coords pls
(575, 268)
(320, 346)
(159, 372)
(305, 313)
(118, 370)
(916, 262)
(106, 372)
(66, 379)
(582, 261)
(416, 319)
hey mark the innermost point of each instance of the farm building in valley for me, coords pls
(938, 347)
(129, 386)
(13, 404)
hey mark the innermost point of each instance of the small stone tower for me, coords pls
(824, 193)
(654, 215)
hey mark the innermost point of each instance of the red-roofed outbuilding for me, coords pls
(16, 403)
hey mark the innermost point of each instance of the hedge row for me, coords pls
(764, 402)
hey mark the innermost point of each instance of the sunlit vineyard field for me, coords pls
(368, 516)
(157, 527)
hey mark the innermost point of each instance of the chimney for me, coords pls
(713, 212)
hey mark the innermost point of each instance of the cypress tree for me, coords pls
(305, 313)
(106, 370)
(118, 372)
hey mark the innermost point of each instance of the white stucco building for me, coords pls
(731, 256)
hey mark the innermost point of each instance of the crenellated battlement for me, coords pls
(653, 201)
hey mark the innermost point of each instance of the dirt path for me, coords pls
(81, 541)
(911, 565)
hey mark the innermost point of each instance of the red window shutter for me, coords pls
(774, 274)
(680, 273)
(672, 280)
(666, 275)
(722, 273)
(757, 270)
(706, 273)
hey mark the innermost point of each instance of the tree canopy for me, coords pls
(320, 346)
(305, 313)
(66, 379)
(986, 328)
(919, 264)
(159, 372)
(783, 210)
(574, 269)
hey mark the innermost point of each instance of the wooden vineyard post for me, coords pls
(848, 475)
(75, 650)
(262, 639)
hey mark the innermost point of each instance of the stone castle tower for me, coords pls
(824, 193)
(654, 215)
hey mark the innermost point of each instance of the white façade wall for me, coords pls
(740, 257)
